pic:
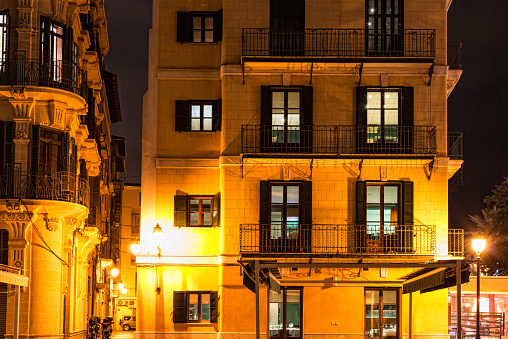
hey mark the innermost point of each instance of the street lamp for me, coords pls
(135, 248)
(478, 246)
(157, 238)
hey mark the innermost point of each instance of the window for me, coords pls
(286, 312)
(384, 216)
(287, 27)
(50, 151)
(135, 222)
(384, 25)
(198, 116)
(194, 307)
(286, 119)
(285, 216)
(197, 211)
(4, 37)
(381, 313)
(57, 51)
(385, 122)
(199, 27)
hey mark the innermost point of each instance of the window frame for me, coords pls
(382, 222)
(383, 138)
(202, 29)
(46, 144)
(201, 105)
(200, 198)
(5, 32)
(183, 115)
(199, 293)
(182, 210)
(398, 315)
(283, 290)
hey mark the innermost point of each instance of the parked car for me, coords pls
(128, 322)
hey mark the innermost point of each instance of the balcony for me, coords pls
(61, 74)
(59, 186)
(455, 55)
(339, 141)
(339, 45)
(327, 240)
(455, 146)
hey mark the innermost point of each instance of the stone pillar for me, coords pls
(24, 108)
(25, 31)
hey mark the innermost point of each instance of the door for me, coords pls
(382, 217)
(286, 313)
(287, 27)
(382, 313)
(286, 111)
(384, 28)
(285, 217)
(383, 118)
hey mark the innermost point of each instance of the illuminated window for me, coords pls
(381, 313)
(58, 52)
(198, 307)
(383, 115)
(197, 211)
(201, 117)
(4, 38)
(199, 27)
(198, 116)
(200, 211)
(194, 307)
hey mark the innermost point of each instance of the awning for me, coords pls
(427, 279)
(423, 282)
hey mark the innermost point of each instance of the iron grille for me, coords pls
(455, 55)
(455, 145)
(456, 242)
(336, 240)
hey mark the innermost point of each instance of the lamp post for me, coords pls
(478, 246)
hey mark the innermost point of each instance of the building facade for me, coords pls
(298, 150)
(58, 166)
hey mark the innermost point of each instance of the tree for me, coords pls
(493, 224)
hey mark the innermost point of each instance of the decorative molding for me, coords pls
(18, 92)
(57, 111)
(58, 9)
(23, 216)
(25, 9)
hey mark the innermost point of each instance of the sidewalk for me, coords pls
(119, 334)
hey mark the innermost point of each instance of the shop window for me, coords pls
(198, 116)
(286, 313)
(382, 313)
(197, 211)
(194, 307)
(199, 27)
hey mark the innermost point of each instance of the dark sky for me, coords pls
(476, 106)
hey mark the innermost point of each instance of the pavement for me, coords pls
(119, 334)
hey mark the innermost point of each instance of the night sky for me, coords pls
(475, 107)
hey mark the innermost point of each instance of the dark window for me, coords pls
(381, 313)
(286, 119)
(384, 23)
(198, 116)
(4, 37)
(287, 27)
(197, 211)
(194, 307)
(135, 222)
(199, 27)
(285, 216)
(50, 152)
(286, 312)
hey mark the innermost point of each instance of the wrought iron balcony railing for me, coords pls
(455, 55)
(61, 186)
(60, 74)
(339, 43)
(336, 240)
(339, 140)
(455, 145)
(456, 242)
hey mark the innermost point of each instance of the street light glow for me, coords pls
(479, 245)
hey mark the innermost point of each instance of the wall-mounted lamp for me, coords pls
(157, 238)
(135, 248)
(114, 272)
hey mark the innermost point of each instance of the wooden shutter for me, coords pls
(183, 27)
(266, 105)
(306, 216)
(408, 208)
(407, 106)
(181, 210)
(361, 106)
(307, 101)
(73, 162)
(216, 210)
(64, 157)
(264, 202)
(217, 26)
(34, 159)
(361, 217)
(213, 307)
(9, 143)
(179, 307)
(217, 115)
(45, 39)
(68, 43)
(182, 115)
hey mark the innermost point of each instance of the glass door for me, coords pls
(382, 217)
(285, 217)
(381, 313)
(286, 109)
(383, 119)
(287, 27)
(384, 33)
(286, 313)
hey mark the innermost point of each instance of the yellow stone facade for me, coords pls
(57, 166)
(178, 163)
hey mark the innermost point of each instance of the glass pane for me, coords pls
(196, 22)
(293, 313)
(278, 119)
(278, 100)
(373, 100)
(207, 124)
(293, 194)
(373, 194)
(293, 99)
(389, 313)
(209, 22)
(205, 306)
(293, 212)
(293, 135)
(208, 36)
(372, 314)
(276, 230)
(276, 315)
(373, 117)
(207, 219)
(194, 205)
(276, 213)
(194, 218)
(207, 111)
(195, 111)
(392, 100)
(391, 117)
(197, 36)
(195, 125)
(207, 205)
(193, 306)
(391, 194)
(277, 194)
(294, 119)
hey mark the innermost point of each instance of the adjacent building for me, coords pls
(58, 170)
(298, 149)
